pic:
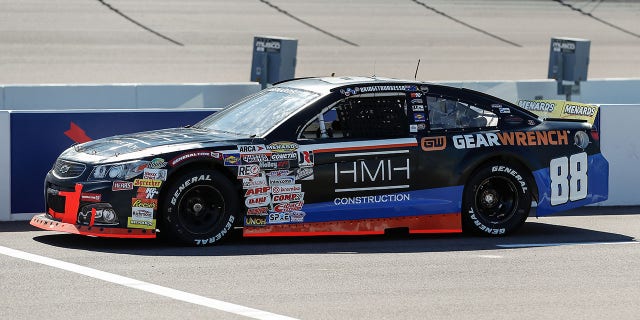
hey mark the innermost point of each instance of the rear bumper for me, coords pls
(42, 221)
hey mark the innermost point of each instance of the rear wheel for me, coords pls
(496, 200)
(200, 208)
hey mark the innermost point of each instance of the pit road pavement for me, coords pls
(583, 265)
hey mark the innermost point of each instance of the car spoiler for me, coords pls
(560, 110)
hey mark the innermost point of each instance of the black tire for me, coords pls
(200, 208)
(496, 200)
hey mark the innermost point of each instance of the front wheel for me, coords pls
(200, 208)
(496, 200)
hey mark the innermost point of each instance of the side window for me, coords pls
(445, 113)
(362, 117)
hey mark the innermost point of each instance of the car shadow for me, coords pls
(531, 233)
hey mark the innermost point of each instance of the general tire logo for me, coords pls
(433, 143)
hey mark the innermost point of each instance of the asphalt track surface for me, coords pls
(583, 265)
(84, 41)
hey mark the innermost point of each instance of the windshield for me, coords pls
(257, 114)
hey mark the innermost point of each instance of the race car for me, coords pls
(333, 156)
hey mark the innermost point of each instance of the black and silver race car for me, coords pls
(331, 156)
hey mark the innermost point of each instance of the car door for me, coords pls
(357, 159)
(454, 133)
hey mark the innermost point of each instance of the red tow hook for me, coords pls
(71, 205)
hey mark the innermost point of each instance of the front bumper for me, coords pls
(42, 221)
(67, 221)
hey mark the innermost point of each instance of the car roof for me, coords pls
(325, 85)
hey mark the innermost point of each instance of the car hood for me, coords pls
(143, 144)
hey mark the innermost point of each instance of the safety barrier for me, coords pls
(25, 159)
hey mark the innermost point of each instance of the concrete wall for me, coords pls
(620, 138)
(123, 96)
(5, 161)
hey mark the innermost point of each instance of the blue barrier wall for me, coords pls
(38, 138)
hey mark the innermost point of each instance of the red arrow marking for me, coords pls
(77, 134)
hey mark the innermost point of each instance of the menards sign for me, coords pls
(561, 109)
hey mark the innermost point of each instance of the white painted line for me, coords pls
(533, 245)
(489, 256)
(145, 286)
(404, 186)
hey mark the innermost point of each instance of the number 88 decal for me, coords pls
(568, 178)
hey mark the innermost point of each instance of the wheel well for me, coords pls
(198, 165)
(504, 159)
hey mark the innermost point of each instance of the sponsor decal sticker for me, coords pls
(580, 110)
(415, 95)
(546, 106)
(278, 181)
(259, 181)
(305, 158)
(422, 126)
(505, 110)
(413, 128)
(283, 156)
(90, 197)
(149, 183)
(530, 138)
(381, 88)
(278, 217)
(289, 206)
(419, 117)
(122, 185)
(297, 216)
(255, 158)
(258, 148)
(255, 221)
(258, 211)
(278, 173)
(279, 189)
(416, 101)
(141, 224)
(194, 154)
(248, 171)
(418, 107)
(256, 191)
(433, 143)
(373, 199)
(282, 147)
(273, 165)
(288, 197)
(232, 159)
(147, 193)
(156, 174)
(157, 163)
(142, 214)
(349, 91)
(305, 173)
(257, 201)
(144, 203)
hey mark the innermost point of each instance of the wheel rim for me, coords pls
(496, 199)
(201, 209)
